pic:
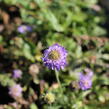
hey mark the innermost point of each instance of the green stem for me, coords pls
(50, 106)
(57, 78)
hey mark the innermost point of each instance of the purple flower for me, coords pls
(85, 82)
(24, 29)
(55, 57)
(15, 91)
(17, 73)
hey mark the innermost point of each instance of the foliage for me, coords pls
(79, 26)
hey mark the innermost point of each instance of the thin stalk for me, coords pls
(58, 80)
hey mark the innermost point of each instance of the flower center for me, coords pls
(54, 55)
(86, 83)
(24, 28)
(15, 90)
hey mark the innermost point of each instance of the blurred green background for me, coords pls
(81, 26)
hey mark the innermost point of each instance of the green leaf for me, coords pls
(33, 106)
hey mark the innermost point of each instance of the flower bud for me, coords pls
(49, 98)
(34, 69)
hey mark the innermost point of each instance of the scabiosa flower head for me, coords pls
(15, 91)
(17, 73)
(85, 82)
(55, 57)
(24, 29)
